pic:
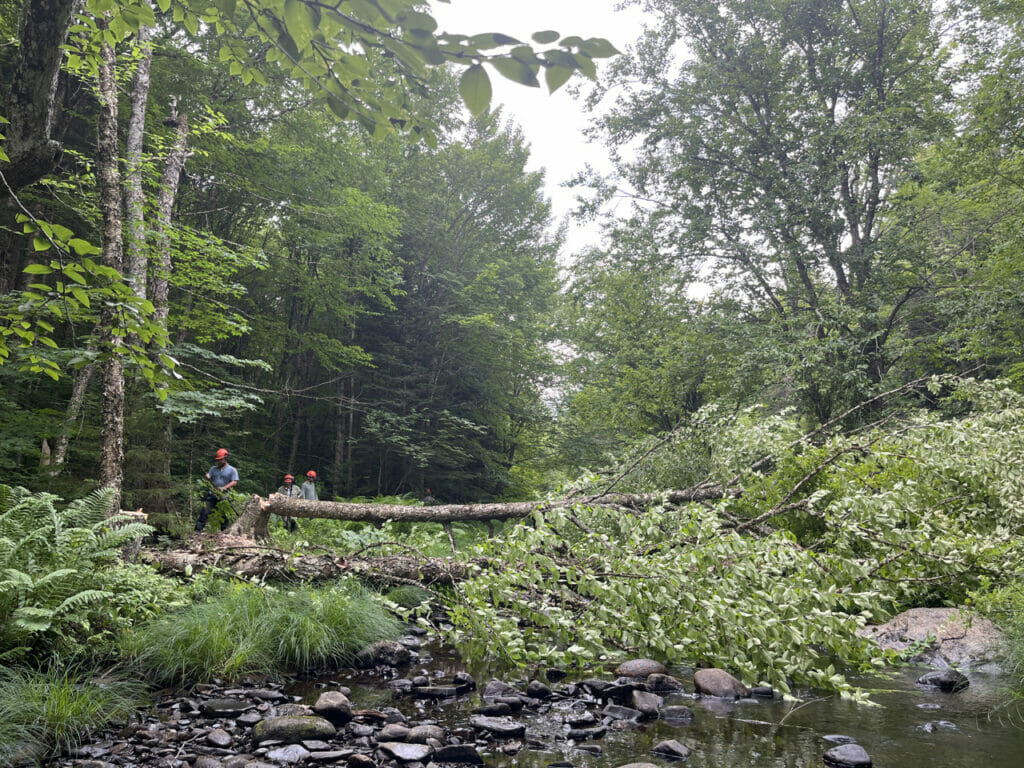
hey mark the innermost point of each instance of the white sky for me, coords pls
(553, 123)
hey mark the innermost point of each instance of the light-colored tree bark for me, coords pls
(134, 192)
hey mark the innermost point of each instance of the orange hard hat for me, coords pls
(311, 474)
(289, 477)
(222, 453)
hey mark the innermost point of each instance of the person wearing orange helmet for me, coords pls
(290, 491)
(222, 478)
(309, 487)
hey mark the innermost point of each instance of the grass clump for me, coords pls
(256, 630)
(48, 712)
(408, 596)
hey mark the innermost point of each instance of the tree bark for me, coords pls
(109, 178)
(81, 384)
(165, 198)
(135, 264)
(253, 521)
(30, 103)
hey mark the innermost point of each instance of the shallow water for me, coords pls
(974, 728)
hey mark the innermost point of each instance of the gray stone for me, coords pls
(436, 692)
(334, 706)
(618, 712)
(587, 734)
(421, 734)
(497, 708)
(960, 639)
(249, 718)
(293, 709)
(236, 761)
(292, 753)
(407, 753)
(205, 761)
(947, 680)
(384, 652)
(663, 683)
(838, 738)
(218, 737)
(361, 761)
(394, 732)
(503, 727)
(464, 680)
(329, 756)
(537, 690)
(676, 715)
(718, 682)
(495, 689)
(639, 765)
(291, 729)
(458, 753)
(671, 749)
(848, 756)
(762, 692)
(640, 668)
(265, 694)
(647, 703)
(225, 707)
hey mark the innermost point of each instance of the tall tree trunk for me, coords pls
(81, 384)
(30, 104)
(135, 244)
(109, 177)
(165, 198)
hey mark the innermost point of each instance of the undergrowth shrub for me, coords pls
(249, 629)
(44, 713)
(61, 587)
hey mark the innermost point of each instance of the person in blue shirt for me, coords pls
(222, 477)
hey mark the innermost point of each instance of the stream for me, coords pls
(974, 728)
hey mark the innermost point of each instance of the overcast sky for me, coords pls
(553, 124)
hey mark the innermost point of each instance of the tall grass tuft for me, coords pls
(254, 630)
(44, 713)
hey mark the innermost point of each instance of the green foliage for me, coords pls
(57, 585)
(247, 629)
(1005, 607)
(774, 583)
(53, 711)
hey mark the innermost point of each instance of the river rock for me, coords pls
(676, 715)
(647, 703)
(718, 682)
(587, 734)
(762, 692)
(671, 749)
(663, 683)
(334, 706)
(225, 707)
(421, 734)
(537, 690)
(838, 738)
(293, 753)
(640, 668)
(619, 712)
(205, 761)
(291, 730)
(497, 689)
(394, 732)
(436, 692)
(361, 761)
(955, 643)
(639, 765)
(407, 753)
(384, 652)
(458, 753)
(464, 681)
(495, 709)
(502, 727)
(947, 680)
(218, 737)
(848, 756)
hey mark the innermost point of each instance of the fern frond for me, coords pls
(90, 509)
(80, 599)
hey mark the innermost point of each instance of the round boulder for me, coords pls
(334, 706)
(640, 668)
(719, 683)
(291, 729)
(848, 756)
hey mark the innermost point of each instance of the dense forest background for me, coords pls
(814, 203)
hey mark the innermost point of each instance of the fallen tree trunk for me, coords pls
(251, 561)
(252, 523)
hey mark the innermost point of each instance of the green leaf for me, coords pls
(546, 37)
(475, 87)
(488, 40)
(37, 269)
(226, 7)
(301, 21)
(598, 48)
(40, 243)
(82, 247)
(556, 77)
(515, 70)
(79, 294)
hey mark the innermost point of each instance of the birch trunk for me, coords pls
(135, 198)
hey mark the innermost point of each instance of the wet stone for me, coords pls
(676, 715)
(671, 749)
(501, 727)
(639, 765)
(421, 734)
(937, 725)
(360, 730)
(436, 692)
(292, 729)
(663, 683)
(315, 745)
(719, 683)
(640, 668)
(838, 738)
(224, 707)
(617, 712)
(587, 734)
(537, 690)
(498, 708)
(458, 753)
(293, 753)
(581, 720)
(401, 685)
(554, 674)
(218, 737)
(407, 753)
(848, 756)
(947, 680)
(264, 693)
(497, 689)
(393, 732)
(361, 761)
(762, 692)
(647, 703)
(464, 679)
(329, 756)
(515, 703)
(205, 761)
(334, 706)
